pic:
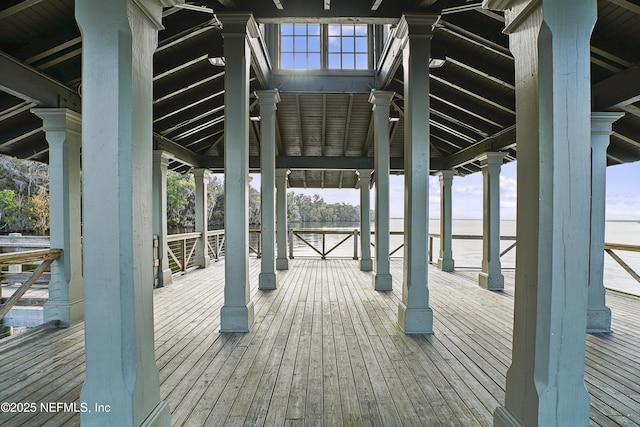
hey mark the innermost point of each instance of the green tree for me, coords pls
(8, 209)
(180, 200)
(39, 212)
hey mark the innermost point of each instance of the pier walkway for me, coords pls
(325, 350)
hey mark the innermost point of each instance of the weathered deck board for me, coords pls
(325, 349)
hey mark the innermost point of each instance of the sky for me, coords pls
(623, 194)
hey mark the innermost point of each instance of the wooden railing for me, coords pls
(43, 256)
(469, 237)
(303, 235)
(610, 247)
(181, 250)
(215, 244)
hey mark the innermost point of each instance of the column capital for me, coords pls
(268, 97)
(446, 175)
(282, 173)
(201, 173)
(381, 97)
(59, 119)
(364, 175)
(239, 23)
(491, 158)
(517, 12)
(162, 157)
(601, 122)
(416, 24)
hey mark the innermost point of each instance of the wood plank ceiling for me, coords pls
(472, 94)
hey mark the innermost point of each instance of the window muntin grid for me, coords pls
(316, 46)
(348, 47)
(300, 46)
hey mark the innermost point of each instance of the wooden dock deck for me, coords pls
(325, 350)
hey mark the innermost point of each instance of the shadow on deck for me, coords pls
(325, 350)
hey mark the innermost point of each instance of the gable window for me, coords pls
(322, 46)
(300, 46)
(348, 47)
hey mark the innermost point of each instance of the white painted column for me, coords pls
(118, 41)
(445, 261)
(201, 179)
(414, 314)
(237, 313)
(160, 166)
(366, 264)
(282, 261)
(491, 275)
(268, 100)
(550, 43)
(381, 100)
(598, 314)
(62, 128)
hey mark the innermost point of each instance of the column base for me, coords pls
(446, 264)
(502, 417)
(236, 319)
(204, 263)
(492, 282)
(166, 278)
(382, 282)
(68, 313)
(415, 320)
(267, 281)
(282, 264)
(366, 264)
(159, 417)
(598, 320)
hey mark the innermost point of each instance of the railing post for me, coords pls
(430, 249)
(323, 246)
(355, 244)
(290, 244)
(183, 254)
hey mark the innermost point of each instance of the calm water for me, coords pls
(468, 253)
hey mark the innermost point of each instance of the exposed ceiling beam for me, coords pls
(469, 104)
(627, 133)
(390, 60)
(25, 82)
(484, 95)
(347, 126)
(279, 138)
(623, 63)
(632, 109)
(480, 73)
(168, 40)
(299, 120)
(376, 4)
(232, 4)
(500, 141)
(18, 128)
(632, 7)
(49, 46)
(323, 141)
(182, 154)
(10, 11)
(617, 91)
(369, 139)
(326, 81)
(15, 110)
(327, 163)
(470, 37)
(317, 11)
